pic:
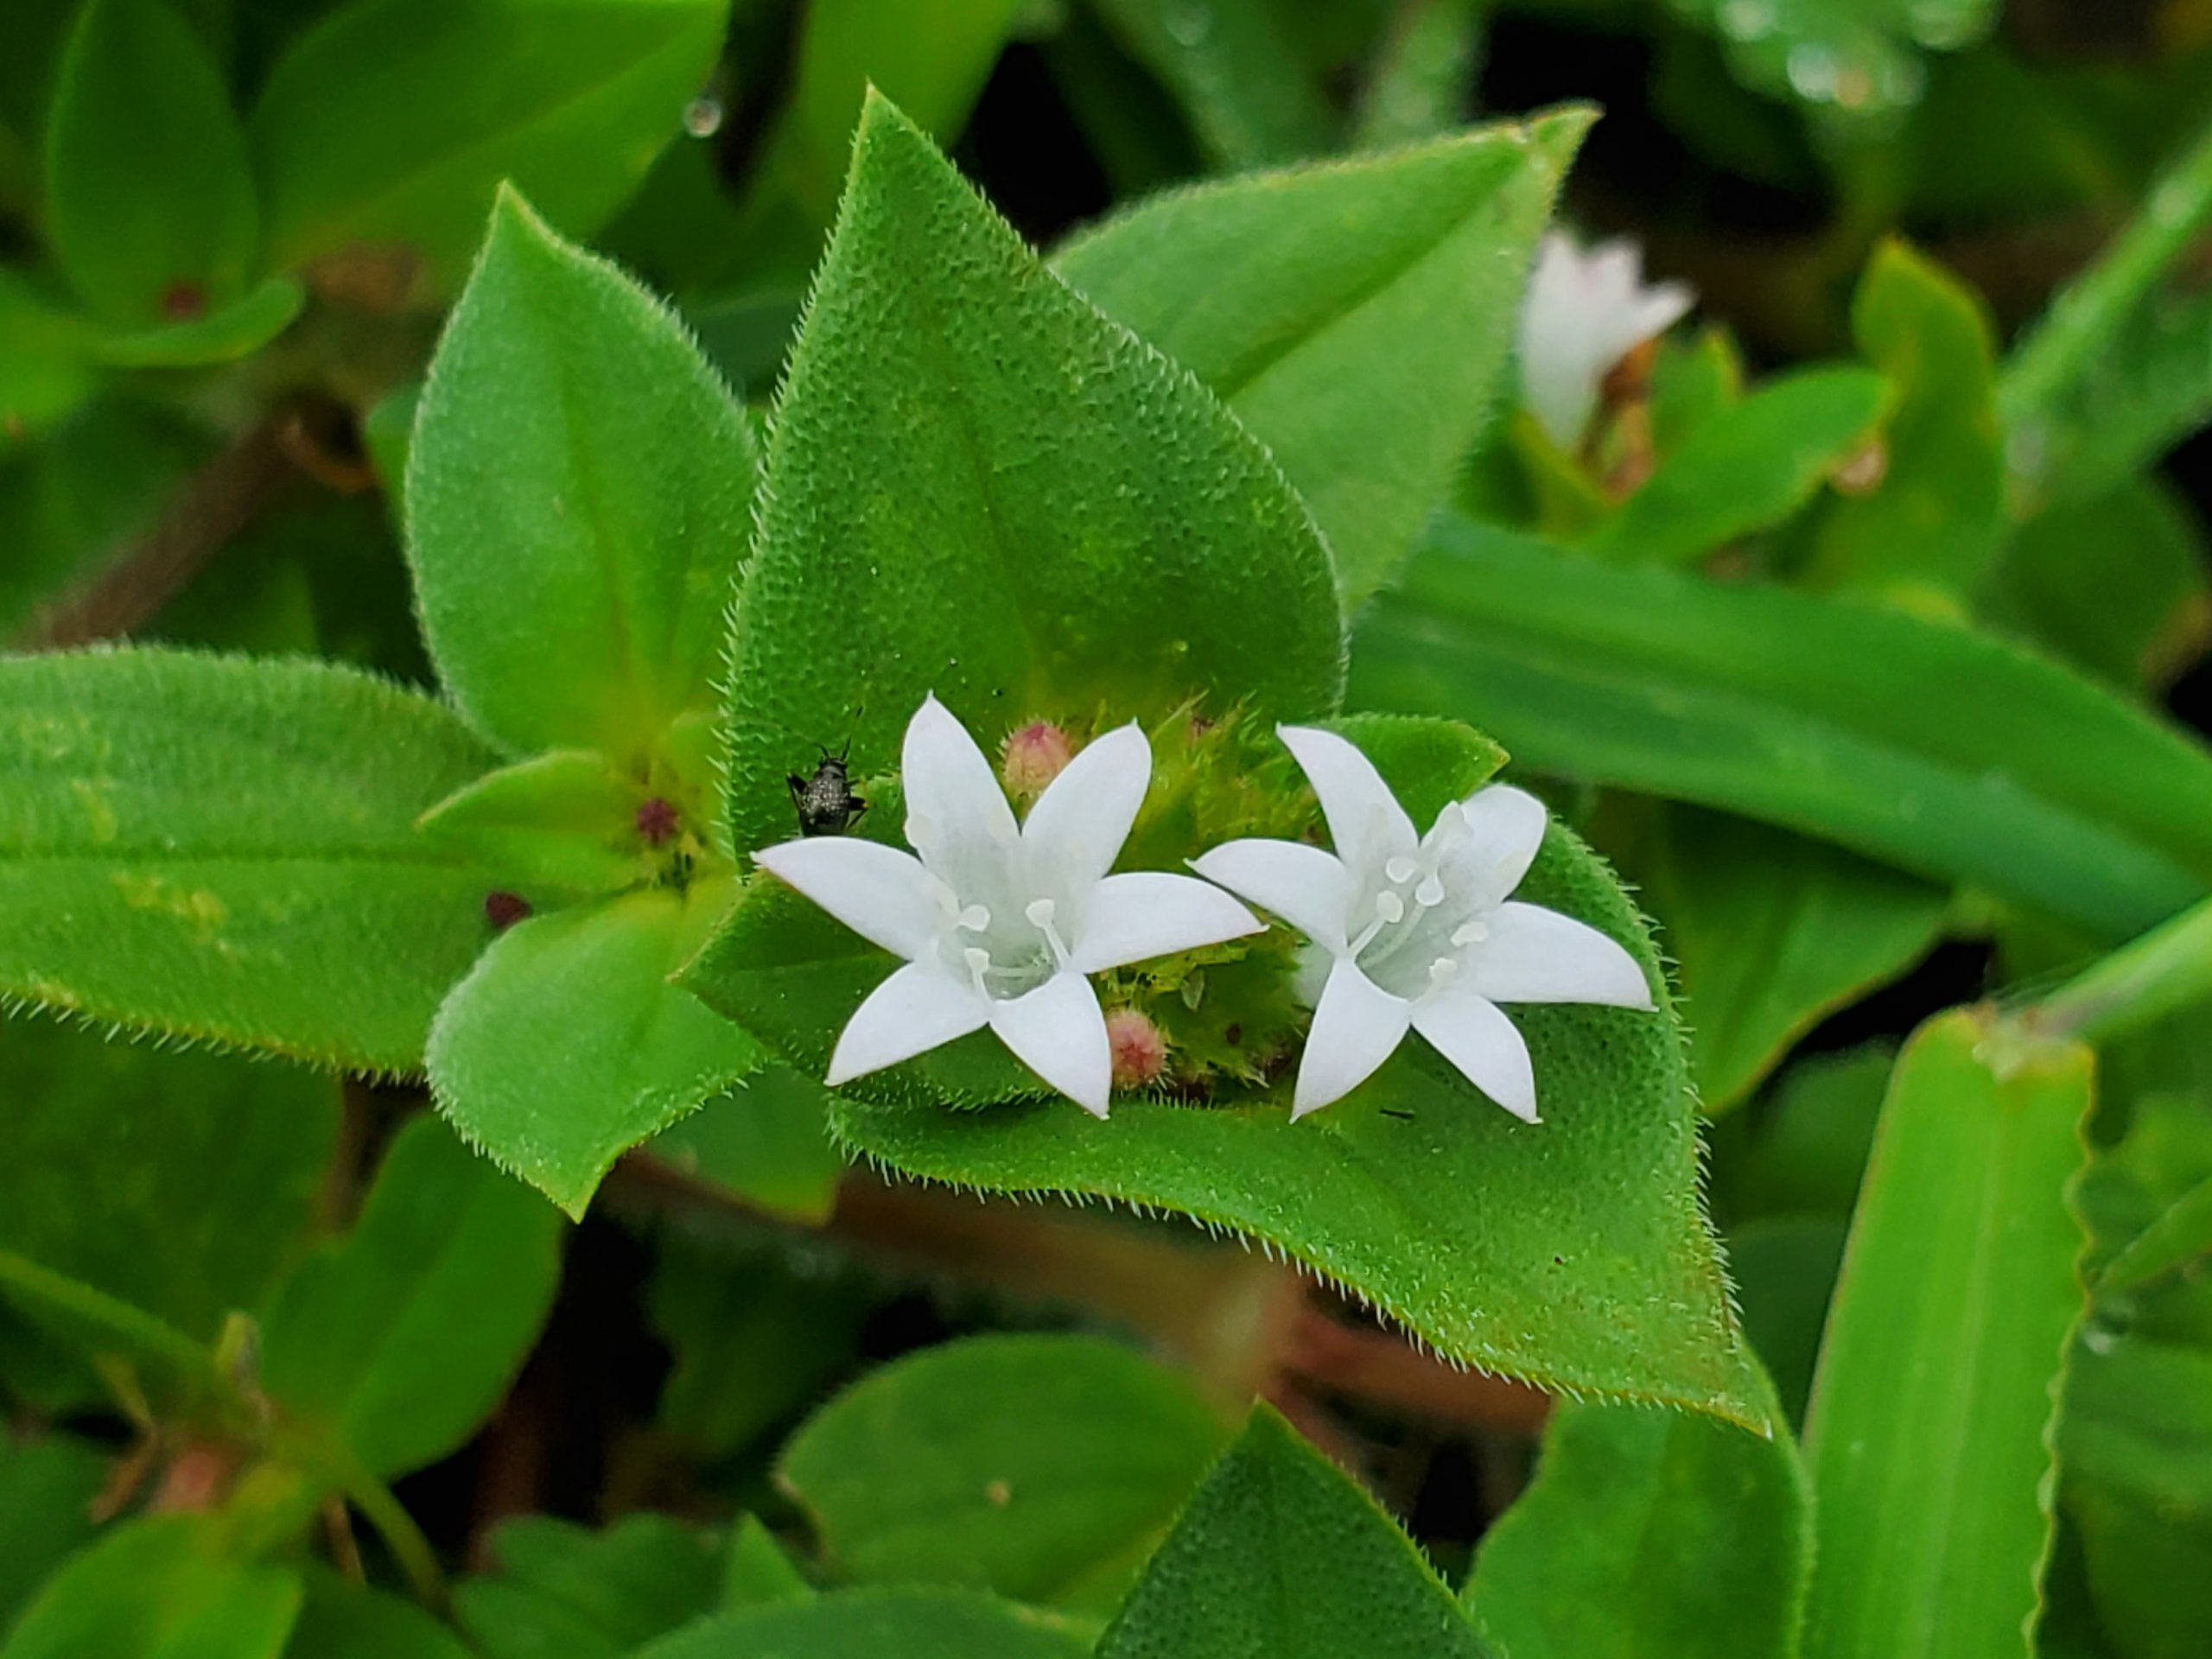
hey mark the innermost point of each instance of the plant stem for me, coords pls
(2156, 975)
(134, 1327)
(2083, 317)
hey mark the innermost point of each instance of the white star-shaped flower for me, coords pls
(1001, 924)
(1420, 931)
(1583, 313)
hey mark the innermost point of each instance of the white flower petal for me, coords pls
(1365, 820)
(1356, 1027)
(1582, 314)
(1654, 311)
(1148, 913)
(881, 893)
(918, 1008)
(1504, 827)
(1535, 955)
(957, 815)
(1059, 1031)
(1307, 887)
(1473, 1034)
(1076, 830)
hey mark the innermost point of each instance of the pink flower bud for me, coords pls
(1034, 756)
(1140, 1052)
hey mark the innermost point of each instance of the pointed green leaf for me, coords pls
(398, 1338)
(579, 494)
(566, 1046)
(979, 486)
(1940, 750)
(563, 1589)
(223, 849)
(1932, 523)
(756, 1573)
(1648, 1534)
(878, 1624)
(1045, 1468)
(1279, 1553)
(1750, 464)
(1929, 1435)
(179, 1183)
(149, 196)
(566, 818)
(1355, 315)
(165, 1587)
(585, 94)
(1770, 931)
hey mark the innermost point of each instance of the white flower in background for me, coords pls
(1000, 924)
(1419, 929)
(1583, 313)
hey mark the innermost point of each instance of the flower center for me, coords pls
(1409, 938)
(1003, 952)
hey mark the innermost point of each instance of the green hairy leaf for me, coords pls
(1929, 747)
(1043, 1468)
(586, 93)
(579, 493)
(978, 485)
(225, 850)
(1649, 1533)
(1960, 1288)
(566, 1044)
(1279, 1553)
(1355, 315)
(399, 1337)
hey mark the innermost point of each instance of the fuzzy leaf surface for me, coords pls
(566, 1044)
(579, 497)
(1355, 315)
(978, 485)
(220, 850)
(1280, 1553)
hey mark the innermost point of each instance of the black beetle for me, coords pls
(826, 804)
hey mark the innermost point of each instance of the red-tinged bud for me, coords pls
(1139, 1050)
(1035, 755)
